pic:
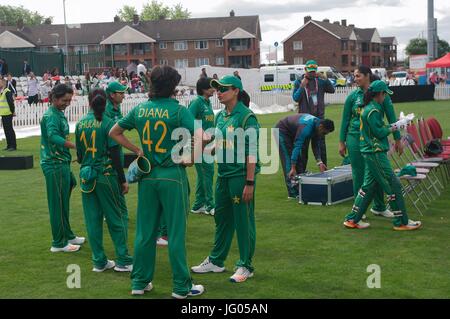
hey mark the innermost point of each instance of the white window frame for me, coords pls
(220, 58)
(219, 43)
(200, 43)
(83, 48)
(162, 45)
(298, 45)
(201, 61)
(180, 46)
(181, 65)
(298, 60)
(163, 62)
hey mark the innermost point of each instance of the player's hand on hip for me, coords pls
(125, 188)
(247, 194)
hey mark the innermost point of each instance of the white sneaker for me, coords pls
(77, 241)
(109, 265)
(196, 290)
(211, 212)
(162, 241)
(126, 268)
(68, 249)
(143, 291)
(199, 211)
(387, 213)
(207, 266)
(241, 275)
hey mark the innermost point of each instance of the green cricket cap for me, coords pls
(116, 87)
(227, 81)
(379, 86)
(311, 66)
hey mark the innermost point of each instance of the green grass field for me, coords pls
(301, 251)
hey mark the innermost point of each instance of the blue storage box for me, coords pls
(327, 188)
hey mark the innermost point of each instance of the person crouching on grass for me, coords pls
(374, 146)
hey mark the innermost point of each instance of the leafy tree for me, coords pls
(419, 46)
(179, 12)
(9, 15)
(154, 10)
(126, 13)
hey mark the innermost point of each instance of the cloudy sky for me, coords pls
(404, 19)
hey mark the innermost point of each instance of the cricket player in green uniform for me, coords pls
(103, 185)
(202, 110)
(374, 146)
(162, 193)
(55, 164)
(350, 136)
(115, 93)
(235, 187)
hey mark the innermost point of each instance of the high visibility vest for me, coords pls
(4, 106)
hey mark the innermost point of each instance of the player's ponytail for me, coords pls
(368, 96)
(244, 98)
(97, 102)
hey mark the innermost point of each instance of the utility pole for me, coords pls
(65, 35)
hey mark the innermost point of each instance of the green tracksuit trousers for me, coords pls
(60, 182)
(357, 162)
(231, 214)
(204, 186)
(378, 171)
(162, 194)
(107, 201)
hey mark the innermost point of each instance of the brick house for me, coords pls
(232, 41)
(337, 44)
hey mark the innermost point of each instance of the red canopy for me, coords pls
(443, 62)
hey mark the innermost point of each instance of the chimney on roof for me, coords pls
(116, 18)
(307, 19)
(326, 20)
(344, 22)
(135, 19)
(351, 25)
(20, 24)
(336, 22)
(232, 14)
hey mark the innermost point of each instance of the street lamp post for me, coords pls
(276, 63)
(65, 35)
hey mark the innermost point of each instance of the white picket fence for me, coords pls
(28, 116)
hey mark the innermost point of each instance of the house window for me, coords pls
(220, 60)
(140, 48)
(298, 45)
(269, 78)
(98, 48)
(120, 49)
(345, 60)
(201, 45)
(163, 45)
(298, 60)
(180, 46)
(83, 48)
(239, 44)
(344, 45)
(219, 43)
(163, 62)
(201, 61)
(181, 63)
(85, 67)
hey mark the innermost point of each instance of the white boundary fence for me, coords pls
(27, 116)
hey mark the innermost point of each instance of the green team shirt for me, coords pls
(155, 121)
(93, 142)
(54, 134)
(374, 132)
(113, 113)
(201, 110)
(352, 111)
(228, 148)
